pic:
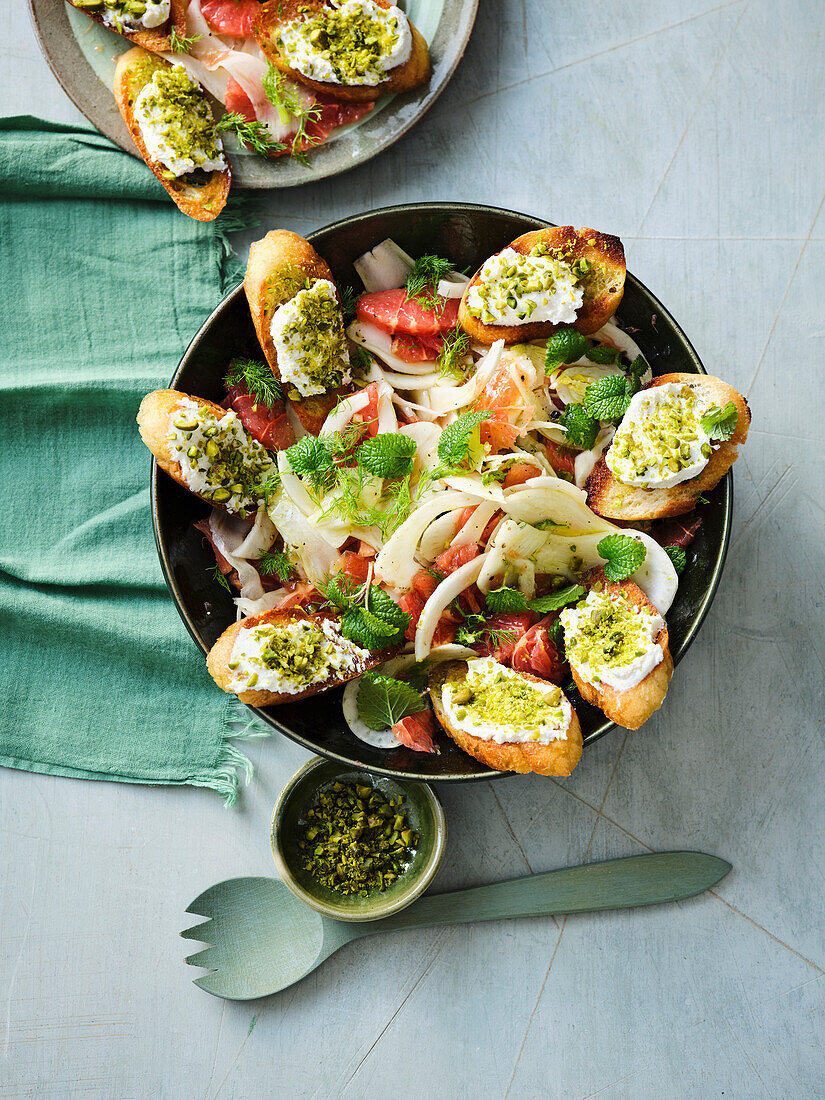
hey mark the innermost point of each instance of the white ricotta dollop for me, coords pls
(547, 711)
(354, 42)
(218, 459)
(609, 641)
(308, 334)
(166, 127)
(514, 289)
(288, 658)
(660, 441)
(115, 15)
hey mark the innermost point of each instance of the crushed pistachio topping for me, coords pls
(310, 342)
(660, 441)
(218, 459)
(513, 289)
(177, 124)
(128, 15)
(354, 840)
(497, 704)
(290, 657)
(611, 641)
(352, 42)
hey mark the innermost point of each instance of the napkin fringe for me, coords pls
(244, 213)
(224, 776)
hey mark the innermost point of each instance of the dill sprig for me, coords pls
(258, 379)
(423, 280)
(287, 102)
(275, 562)
(216, 575)
(252, 134)
(181, 43)
(452, 359)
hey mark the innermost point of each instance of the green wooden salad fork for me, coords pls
(262, 938)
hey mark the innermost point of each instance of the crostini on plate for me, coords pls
(283, 656)
(543, 280)
(148, 23)
(206, 449)
(297, 316)
(171, 122)
(357, 50)
(617, 645)
(511, 721)
(676, 441)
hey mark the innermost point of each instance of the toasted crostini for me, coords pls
(659, 455)
(150, 28)
(544, 731)
(283, 656)
(312, 42)
(574, 275)
(206, 449)
(196, 175)
(624, 639)
(283, 268)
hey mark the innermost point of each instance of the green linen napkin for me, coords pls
(104, 283)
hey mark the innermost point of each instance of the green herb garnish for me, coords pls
(383, 701)
(353, 840)
(275, 562)
(258, 379)
(216, 575)
(580, 426)
(623, 555)
(423, 280)
(181, 43)
(720, 423)
(603, 355)
(456, 440)
(387, 455)
(678, 556)
(566, 345)
(608, 398)
(288, 103)
(451, 359)
(510, 600)
(310, 458)
(252, 134)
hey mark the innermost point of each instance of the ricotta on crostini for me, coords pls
(514, 289)
(610, 641)
(310, 342)
(177, 124)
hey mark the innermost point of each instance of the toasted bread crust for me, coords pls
(631, 708)
(603, 285)
(556, 758)
(415, 70)
(154, 39)
(278, 266)
(135, 69)
(220, 654)
(609, 497)
(153, 419)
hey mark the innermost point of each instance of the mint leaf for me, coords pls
(277, 562)
(383, 701)
(635, 372)
(608, 398)
(556, 633)
(310, 458)
(454, 445)
(720, 423)
(603, 355)
(379, 627)
(566, 345)
(623, 555)
(387, 455)
(554, 601)
(505, 600)
(678, 557)
(581, 428)
(382, 604)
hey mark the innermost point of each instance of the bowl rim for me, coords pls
(726, 487)
(327, 909)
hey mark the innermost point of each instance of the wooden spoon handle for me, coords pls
(614, 884)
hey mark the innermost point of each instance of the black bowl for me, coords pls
(467, 234)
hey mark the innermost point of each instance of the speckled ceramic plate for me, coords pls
(467, 235)
(82, 56)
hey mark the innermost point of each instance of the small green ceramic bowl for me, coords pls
(426, 816)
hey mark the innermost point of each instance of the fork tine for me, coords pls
(199, 932)
(205, 958)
